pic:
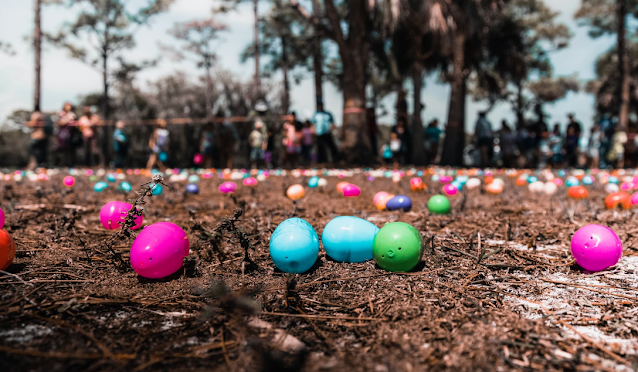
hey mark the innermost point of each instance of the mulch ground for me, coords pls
(497, 289)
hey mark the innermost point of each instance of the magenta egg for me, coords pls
(159, 250)
(450, 190)
(557, 181)
(68, 181)
(198, 159)
(446, 179)
(250, 181)
(112, 213)
(351, 190)
(596, 247)
(227, 187)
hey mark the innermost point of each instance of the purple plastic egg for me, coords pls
(596, 247)
(159, 250)
(112, 213)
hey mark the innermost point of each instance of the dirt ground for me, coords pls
(497, 289)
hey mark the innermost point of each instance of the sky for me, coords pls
(65, 79)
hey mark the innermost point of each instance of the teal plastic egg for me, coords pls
(193, 178)
(125, 186)
(349, 239)
(313, 182)
(157, 189)
(100, 186)
(572, 181)
(294, 246)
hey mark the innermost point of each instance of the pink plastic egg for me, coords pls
(227, 187)
(68, 181)
(450, 190)
(633, 200)
(446, 179)
(351, 190)
(198, 159)
(596, 247)
(159, 250)
(112, 213)
(626, 186)
(250, 181)
(557, 181)
(378, 197)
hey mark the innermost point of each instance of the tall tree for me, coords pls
(257, 79)
(317, 58)
(198, 38)
(37, 47)
(605, 17)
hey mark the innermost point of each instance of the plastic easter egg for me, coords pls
(100, 186)
(577, 192)
(1, 218)
(192, 188)
(294, 246)
(626, 186)
(7, 250)
(520, 181)
(322, 182)
(613, 179)
(588, 180)
(313, 182)
(572, 181)
(439, 204)
(351, 190)
(494, 188)
(472, 183)
(611, 188)
(416, 184)
(396, 178)
(445, 179)
(158, 251)
(536, 187)
(596, 247)
(532, 179)
(619, 198)
(157, 189)
(397, 247)
(193, 178)
(381, 204)
(499, 181)
(450, 190)
(557, 181)
(458, 185)
(341, 185)
(399, 202)
(110, 177)
(68, 181)
(349, 239)
(198, 159)
(296, 192)
(250, 182)
(125, 186)
(163, 156)
(561, 173)
(489, 179)
(378, 196)
(114, 213)
(227, 187)
(550, 188)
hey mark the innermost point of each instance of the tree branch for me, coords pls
(335, 23)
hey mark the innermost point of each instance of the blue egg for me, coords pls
(125, 186)
(294, 246)
(349, 239)
(532, 179)
(100, 186)
(157, 189)
(613, 179)
(313, 182)
(572, 181)
(110, 177)
(435, 178)
(462, 179)
(163, 156)
(457, 184)
(561, 173)
(419, 174)
(399, 202)
(588, 180)
(193, 178)
(387, 174)
(192, 188)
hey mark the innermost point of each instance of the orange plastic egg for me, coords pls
(7, 250)
(494, 188)
(296, 192)
(341, 185)
(489, 179)
(383, 201)
(613, 200)
(577, 192)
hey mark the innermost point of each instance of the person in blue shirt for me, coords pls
(120, 144)
(324, 124)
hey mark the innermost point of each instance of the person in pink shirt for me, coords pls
(307, 138)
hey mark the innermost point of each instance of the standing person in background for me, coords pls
(573, 123)
(607, 129)
(484, 139)
(307, 134)
(120, 145)
(227, 142)
(292, 143)
(373, 129)
(431, 137)
(159, 145)
(65, 144)
(88, 121)
(616, 155)
(571, 146)
(207, 144)
(593, 147)
(556, 144)
(398, 142)
(324, 124)
(257, 144)
(41, 129)
(508, 143)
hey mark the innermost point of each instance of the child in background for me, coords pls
(292, 141)
(120, 144)
(159, 145)
(594, 146)
(616, 154)
(386, 154)
(257, 144)
(395, 147)
(307, 133)
(207, 145)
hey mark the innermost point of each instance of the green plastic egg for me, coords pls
(439, 204)
(397, 247)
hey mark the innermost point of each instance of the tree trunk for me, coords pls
(105, 158)
(256, 82)
(418, 152)
(520, 107)
(623, 63)
(355, 141)
(317, 57)
(455, 130)
(284, 69)
(402, 105)
(209, 88)
(37, 46)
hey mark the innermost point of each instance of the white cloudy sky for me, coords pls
(64, 78)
